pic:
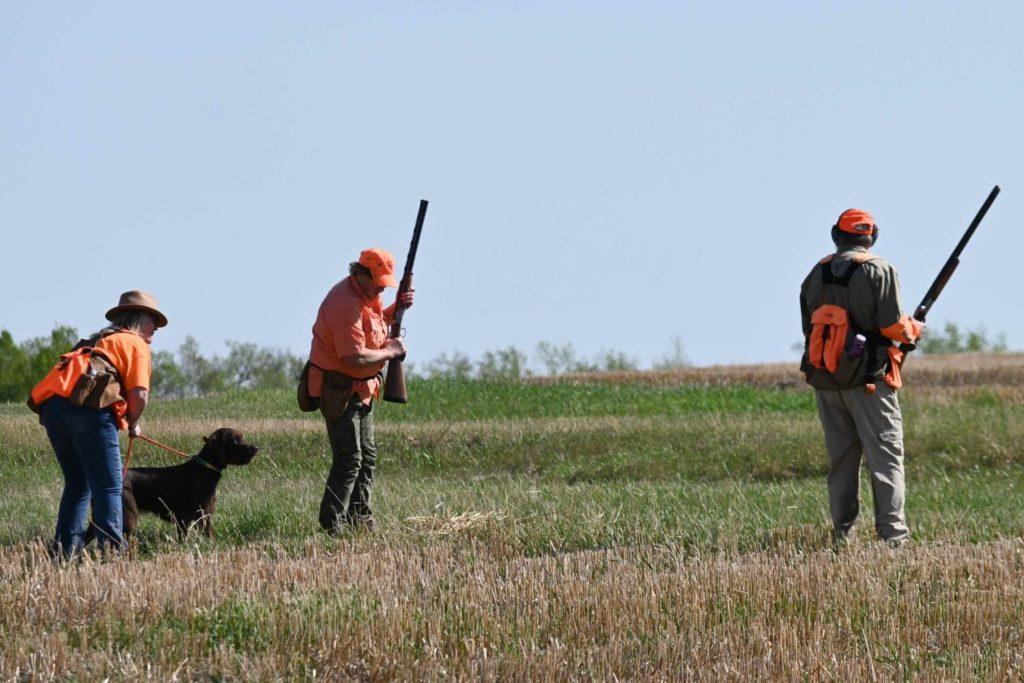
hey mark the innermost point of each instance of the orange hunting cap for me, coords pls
(857, 222)
(382, 266)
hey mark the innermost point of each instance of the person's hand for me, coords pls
(405, 299)
(135, 430)
(396, 347)
(920, 328)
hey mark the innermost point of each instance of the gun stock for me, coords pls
(394, 385)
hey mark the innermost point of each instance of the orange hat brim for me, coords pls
(853, 217)
(386, 280)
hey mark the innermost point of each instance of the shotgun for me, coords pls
(951, 263)
(394, 385)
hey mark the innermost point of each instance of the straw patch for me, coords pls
(461, 523)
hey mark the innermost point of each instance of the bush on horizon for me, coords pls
(187, 372)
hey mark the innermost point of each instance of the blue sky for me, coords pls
(605, 174)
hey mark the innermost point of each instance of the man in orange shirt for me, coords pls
(347, 357)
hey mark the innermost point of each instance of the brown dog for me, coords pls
(185, 494)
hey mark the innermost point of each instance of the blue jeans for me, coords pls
(85, 441)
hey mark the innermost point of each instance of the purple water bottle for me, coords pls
(857, 347)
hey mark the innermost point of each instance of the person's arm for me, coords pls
(890, 319)
(805, 309)
(393, 348)
(350, 342)
(137, 400)
(137, 378)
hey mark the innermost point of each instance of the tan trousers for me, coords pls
(857, 422)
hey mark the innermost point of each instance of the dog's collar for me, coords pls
(207, 464)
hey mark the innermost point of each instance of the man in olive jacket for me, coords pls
(852, 324)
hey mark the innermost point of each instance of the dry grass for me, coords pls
(959, 370)
(372, 611)
(454, 524)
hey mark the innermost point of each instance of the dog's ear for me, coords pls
(221, 437)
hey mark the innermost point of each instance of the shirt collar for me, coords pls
(360, 293)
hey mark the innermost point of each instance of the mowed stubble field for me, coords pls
(647, 525)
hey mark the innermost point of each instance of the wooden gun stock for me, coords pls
(394, 385)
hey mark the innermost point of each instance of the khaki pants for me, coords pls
(856, 423)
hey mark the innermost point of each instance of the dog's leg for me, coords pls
(130, 514)
(207, 519)
(182, 526)
(205, 524)
(130, 522)
(197, 520)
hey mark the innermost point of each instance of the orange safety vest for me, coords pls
(86, 378)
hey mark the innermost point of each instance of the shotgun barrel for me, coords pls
(394, 385)
(954, 259)
(950, 266)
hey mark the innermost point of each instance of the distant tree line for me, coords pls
(549, 360)
(179, 374)
(951, 339)
(187, 372)
(25, 363)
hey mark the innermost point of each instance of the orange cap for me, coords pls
(382, 266)
(856, 221)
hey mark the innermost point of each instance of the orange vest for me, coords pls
(86, 378)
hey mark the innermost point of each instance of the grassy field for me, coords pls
(648, 525)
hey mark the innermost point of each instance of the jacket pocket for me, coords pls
(849, 370)
(830, 326)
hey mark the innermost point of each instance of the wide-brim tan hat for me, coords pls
(137, 300)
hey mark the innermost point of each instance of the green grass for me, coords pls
(569, 467)
(477, 400)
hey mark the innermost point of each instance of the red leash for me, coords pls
(131, 442)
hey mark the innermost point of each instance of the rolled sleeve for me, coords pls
(140, 369)
(889, 317)
(130, 354)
